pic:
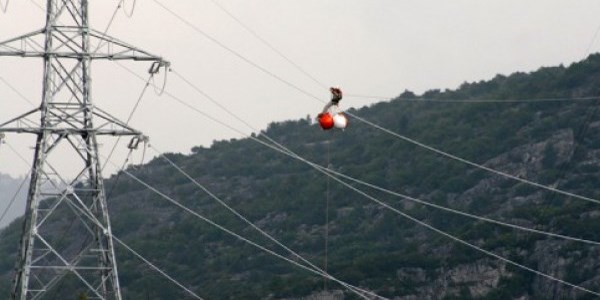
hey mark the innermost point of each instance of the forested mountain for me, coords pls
(555, 143)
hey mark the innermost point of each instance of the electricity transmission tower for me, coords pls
(68, 123)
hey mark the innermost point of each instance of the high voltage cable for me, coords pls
(473, 164)
(130, 13)
(241, 217)
(431, 100)
(10, 86)
(133, 110)
(407, 139)
(286, 151)
(269, 45)
(414, 220)
(16, 194)
(231, 209)
(239, 55)
(230, 232)
(294, 155)
(406, 215)
(139, 256)
(157, 269)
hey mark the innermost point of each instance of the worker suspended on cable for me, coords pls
(331, 115)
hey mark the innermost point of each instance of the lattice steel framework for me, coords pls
(68, 120)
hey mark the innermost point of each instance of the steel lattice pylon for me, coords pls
(68, 120)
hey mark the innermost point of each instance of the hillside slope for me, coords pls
(554, 143)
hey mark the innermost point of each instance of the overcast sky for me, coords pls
(370, 47)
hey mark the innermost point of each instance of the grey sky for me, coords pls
(370, 47)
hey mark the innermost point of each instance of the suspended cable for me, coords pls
(10, 86)
(282, 149)
(430, 100)
(239, 215)
(23, 159)
(133, 110)
(407, 216)
(110, 22)
(157, 269)
(220, 227)
(252, 63)
(362, 182)
(208, 192)
(445, 154)
(139, 256)
(230, 50)
(463, 242)
(439, 231)
(130, 13)
(473, 164)
(269, 45)
(14, 197)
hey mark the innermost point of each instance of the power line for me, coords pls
(129, 14)
(489, 253)
(10, 86)
(241, 217)
(473, 164)
(412, 141)
(281, 148)
(269, 45)
(220, 227)
(157, 269)
(465, 243)
(139, 256)
(432, 100)
(14, 197)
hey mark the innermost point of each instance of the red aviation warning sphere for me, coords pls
(326, 121)
(340, 121)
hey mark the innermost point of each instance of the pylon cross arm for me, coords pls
(67, 124)
(67, 45)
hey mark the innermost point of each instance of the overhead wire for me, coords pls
(236, 213)
(21, 185)
(348, 286)
(489, 253)
(130, 13)
(285, 149)
(10, 86)
(232, 233)
(269, 45)
(157, 269)
(510, 101)
(388, 131)
(531, 270)
(135, 253)
(473, 164)
(129, 118)
(208, 192)
(321, 84)
(323, 170)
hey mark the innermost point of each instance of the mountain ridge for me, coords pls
(554, 143)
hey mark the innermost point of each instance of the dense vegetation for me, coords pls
(553, 142)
